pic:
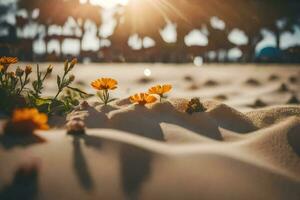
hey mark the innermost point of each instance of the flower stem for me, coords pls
(58, 92)
(105, 96)
(22, 84)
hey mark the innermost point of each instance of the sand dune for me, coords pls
(146, 121)
(230, 151)
(268, 116)
(278, 144)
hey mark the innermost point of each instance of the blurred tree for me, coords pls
(83, 13)
(141, 17)
(146, 18)
(57, 12)
(280, 16)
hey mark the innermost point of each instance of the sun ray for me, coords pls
(171, 8)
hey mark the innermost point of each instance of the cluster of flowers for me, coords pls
(10, 79)
(103, 85)
(26, 120)
(15, 91)
(24, 103)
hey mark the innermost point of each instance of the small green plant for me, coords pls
(10, 88)
(37, 85)
(195, 105)
(103, 85)
(15, 93)
(64, 81)
(24, 80)
(66, 96)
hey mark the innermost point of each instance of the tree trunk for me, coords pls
(180, 46)
(46, 41)
(277, 36)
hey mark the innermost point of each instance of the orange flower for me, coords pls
(104, 84)
(8, 60)
(1, 68)
(142, 98)
(26, 120)
(160, 89)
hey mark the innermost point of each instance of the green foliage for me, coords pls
(14, 92)
(37, 84)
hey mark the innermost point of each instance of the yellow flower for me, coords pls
(8, 60)
(160, 89)
(26, 120)
(104, 84)
(142, 98)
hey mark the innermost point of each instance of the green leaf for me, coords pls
(110, 100)
(77, 90)
(34, 85)
(58, 80)
(41, 101)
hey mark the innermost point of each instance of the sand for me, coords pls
(233, 150)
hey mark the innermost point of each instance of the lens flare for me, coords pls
(147, 72)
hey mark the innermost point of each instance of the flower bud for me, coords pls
(71, 78)
(19, 72)
(49, 69)
(73, 63)
(12, 74)
(28, 69)
(66, 64)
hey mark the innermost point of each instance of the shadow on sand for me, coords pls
(24, 186)
(146, 122)
(79, 162)
(135, 164)
(293, 137)
(11, 141)
(135, 169)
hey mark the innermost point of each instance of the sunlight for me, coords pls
(108, 3)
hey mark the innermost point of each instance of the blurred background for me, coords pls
(164, 31)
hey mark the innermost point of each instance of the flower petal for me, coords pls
(166, 88)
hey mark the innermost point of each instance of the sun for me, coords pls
(109, 3)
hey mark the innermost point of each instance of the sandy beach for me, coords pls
(246, 145)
